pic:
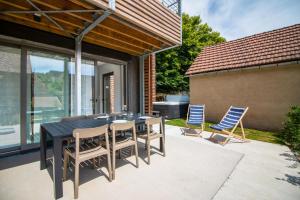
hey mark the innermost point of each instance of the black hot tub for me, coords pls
(175, 107)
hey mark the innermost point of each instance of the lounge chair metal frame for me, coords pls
(231, 133)
(189, 125)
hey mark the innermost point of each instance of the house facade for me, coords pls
(261, 72)
(78, 57)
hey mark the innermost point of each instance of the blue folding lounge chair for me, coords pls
(195, 116)
(229, 123)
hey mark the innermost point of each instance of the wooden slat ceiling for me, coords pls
(136, 27)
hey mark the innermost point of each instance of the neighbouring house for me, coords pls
(260, 71)
(78, 57)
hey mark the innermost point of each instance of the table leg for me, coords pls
(43, 148)
(57, 168)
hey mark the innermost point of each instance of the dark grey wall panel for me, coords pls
(24, 32)
(133, 85)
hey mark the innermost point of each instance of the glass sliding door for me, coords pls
(112, 90)
(48, 91)
(10, 67)
(87, 87)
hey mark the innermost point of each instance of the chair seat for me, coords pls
(195, 122)
(153, 135)
(122, 142)
(120, 139)
(87, 151)
(219, 127)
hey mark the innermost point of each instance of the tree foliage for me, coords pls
(172, 64)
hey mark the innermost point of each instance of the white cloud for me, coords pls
(239, 18)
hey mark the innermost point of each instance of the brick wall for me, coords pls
(150, 82)
(112, 93)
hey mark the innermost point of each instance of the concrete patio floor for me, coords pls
(194, 168)
(267, 171)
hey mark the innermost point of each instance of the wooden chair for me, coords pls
(195, 117)
(229, 123)
(119, 143)
(149, 134)
(87, 151)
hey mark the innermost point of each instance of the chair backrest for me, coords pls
(122, 127)
(196, 114)
(233, 116)
(74, 118)
(85, 133)
(153, 121)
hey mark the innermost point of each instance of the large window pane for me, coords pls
(47, 91)
(87, 87)
(10, 65)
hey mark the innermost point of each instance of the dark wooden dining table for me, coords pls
(60, 132)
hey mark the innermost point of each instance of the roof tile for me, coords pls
(281, 45)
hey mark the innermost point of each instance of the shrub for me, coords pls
(291, 129)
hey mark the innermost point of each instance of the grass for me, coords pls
(252, 134)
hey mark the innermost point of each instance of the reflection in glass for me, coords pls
(10, 62)
(47, 91)
(87, 87)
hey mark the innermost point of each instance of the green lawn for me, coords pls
(252, 134)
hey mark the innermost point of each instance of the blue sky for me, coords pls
(239, 18)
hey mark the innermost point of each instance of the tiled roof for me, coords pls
(281, 45)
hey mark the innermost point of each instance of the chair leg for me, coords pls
(131, 150)
(148, 151)
(226, 141)
(113, 164)
(164, 147)
(187, 126)
(243, 132)
(94, 163)
(136, 155)
(212, 134)
(66, 161)
(120, 154)
(145, 144)
(109, 167)
(76, 184)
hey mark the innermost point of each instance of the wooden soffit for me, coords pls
(135, 27)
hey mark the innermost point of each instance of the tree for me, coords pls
(172, 64)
